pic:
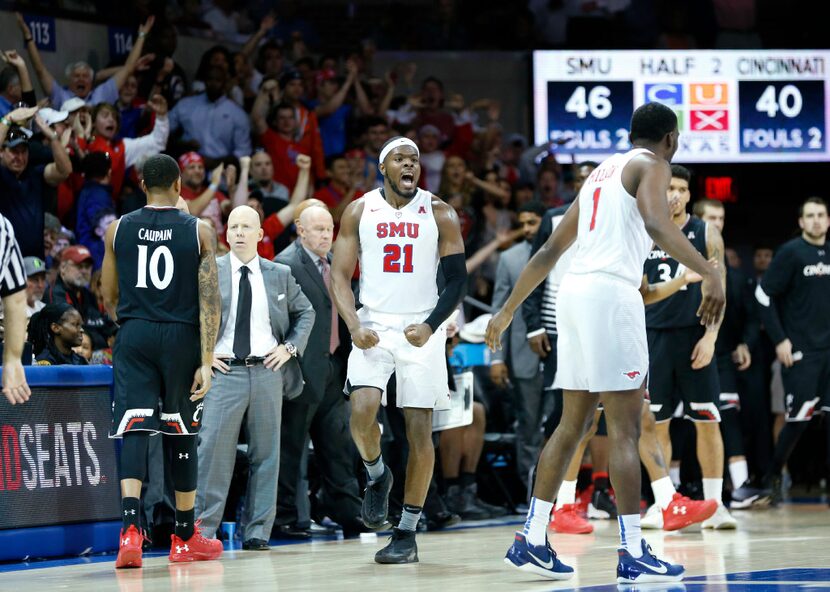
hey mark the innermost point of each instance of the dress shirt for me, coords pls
(262, 339)
(221, 127)
(106, 92)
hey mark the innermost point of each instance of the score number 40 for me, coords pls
(595, 102)
(788, 101)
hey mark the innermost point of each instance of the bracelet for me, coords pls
(29, 40)
(213, 186)
(5, 122)
(141, 34)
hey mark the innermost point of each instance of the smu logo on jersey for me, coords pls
(397, 229)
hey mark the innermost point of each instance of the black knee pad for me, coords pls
(134, 455)
(185, 468)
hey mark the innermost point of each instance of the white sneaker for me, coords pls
(720, 520)
(653, 520)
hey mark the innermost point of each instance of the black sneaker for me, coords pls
(493, 511)
(602, 506)
(442, 520)
(774, 489)
(746, 495)
(401, 548)
(459, 501)
(376, 500)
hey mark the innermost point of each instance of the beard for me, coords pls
(403, 194)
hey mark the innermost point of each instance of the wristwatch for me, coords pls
(291, 348)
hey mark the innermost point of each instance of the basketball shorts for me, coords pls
(728, 379)
(153, 367)
(420, 372)
(602, 335)
(671, 380)
(807, 386)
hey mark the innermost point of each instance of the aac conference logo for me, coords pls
(709, 107)
(669, 94)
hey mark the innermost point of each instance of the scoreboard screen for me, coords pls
(732, 106)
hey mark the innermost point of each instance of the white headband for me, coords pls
(397, 143)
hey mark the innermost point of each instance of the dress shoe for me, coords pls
(256, 545)
(290, 531)
(315, 529)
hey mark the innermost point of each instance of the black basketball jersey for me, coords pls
(157, 254)
(679, 310)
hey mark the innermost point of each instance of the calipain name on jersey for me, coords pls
(819, 269)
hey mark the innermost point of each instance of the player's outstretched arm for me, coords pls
(342, 268)
(534, 273)
(210, 310)
(654, 178)
(109, 272)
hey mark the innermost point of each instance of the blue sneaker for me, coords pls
(540, 560)
(646, 569)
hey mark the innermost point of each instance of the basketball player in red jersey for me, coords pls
(602, 350)
(400, 233)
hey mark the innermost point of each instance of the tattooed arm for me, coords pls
(705, 348)
(209, 310)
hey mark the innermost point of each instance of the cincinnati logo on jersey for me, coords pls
(401, 229)
(658, 254)
(819, 269)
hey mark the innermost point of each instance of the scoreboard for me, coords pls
(731, 106)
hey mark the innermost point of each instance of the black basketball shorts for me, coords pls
(671, 379)
(728, 379)
(154, 364)
(807, 386)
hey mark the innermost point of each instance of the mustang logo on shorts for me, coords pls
(632, 375)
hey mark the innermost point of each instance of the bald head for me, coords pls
(308, 203)
(316, 229)
(244, 232)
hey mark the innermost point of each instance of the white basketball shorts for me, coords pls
(420, 372)
(602, 344)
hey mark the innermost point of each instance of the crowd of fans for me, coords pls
(271, 125)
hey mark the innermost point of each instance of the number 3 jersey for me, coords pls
(398, 254)
(612, 238)
(679, 310)
(157, 258)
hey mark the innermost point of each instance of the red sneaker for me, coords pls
(196, 548)
(129, 548)
(683, 512)
(568, 520)
(583, 498)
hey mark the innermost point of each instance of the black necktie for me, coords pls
(242, 331)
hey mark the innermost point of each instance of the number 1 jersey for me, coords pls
(398, 255)
(157, 253)
(612, 238)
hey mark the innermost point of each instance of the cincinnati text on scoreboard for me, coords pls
(732, 106)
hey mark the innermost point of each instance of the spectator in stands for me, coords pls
(224, 19)
(95, 196)
(228, 134)
(330, 107)
(218, 56)
(126, 152)
(53, 332)
(269, 57)
(80, 74)
(308, 128)
(164, 75)
(205, 201)
(72, 287)
(35, 270)
(15, 84)
(129, 109)
(22, 193)
(340, 191)
(377, 132)
(277, 135)
(547, 187)
(274, 195)
(85, 349)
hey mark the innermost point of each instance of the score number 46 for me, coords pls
(595, 102)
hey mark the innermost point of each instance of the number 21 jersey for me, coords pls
(398, 255)
(612, 238)
(157, 257)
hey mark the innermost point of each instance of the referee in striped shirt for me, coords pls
(13, 294)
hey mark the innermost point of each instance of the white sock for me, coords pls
(538, 518)
(630, 535)
(674, 474)
(713, 489)
(567, 494)
(663, 490)
(738, 473)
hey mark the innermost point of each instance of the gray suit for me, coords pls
(522, 363)
(320, 410)
(253, 394)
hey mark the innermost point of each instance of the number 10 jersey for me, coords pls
(157, 252)
(398, 255)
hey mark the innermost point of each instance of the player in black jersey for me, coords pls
(681, 351)
(159, 280)
(795, 308)
(739, 333)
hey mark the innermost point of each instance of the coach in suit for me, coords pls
(517, 360)
(266, 321)
(321, 409)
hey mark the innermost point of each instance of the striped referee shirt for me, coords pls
(12, 272)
